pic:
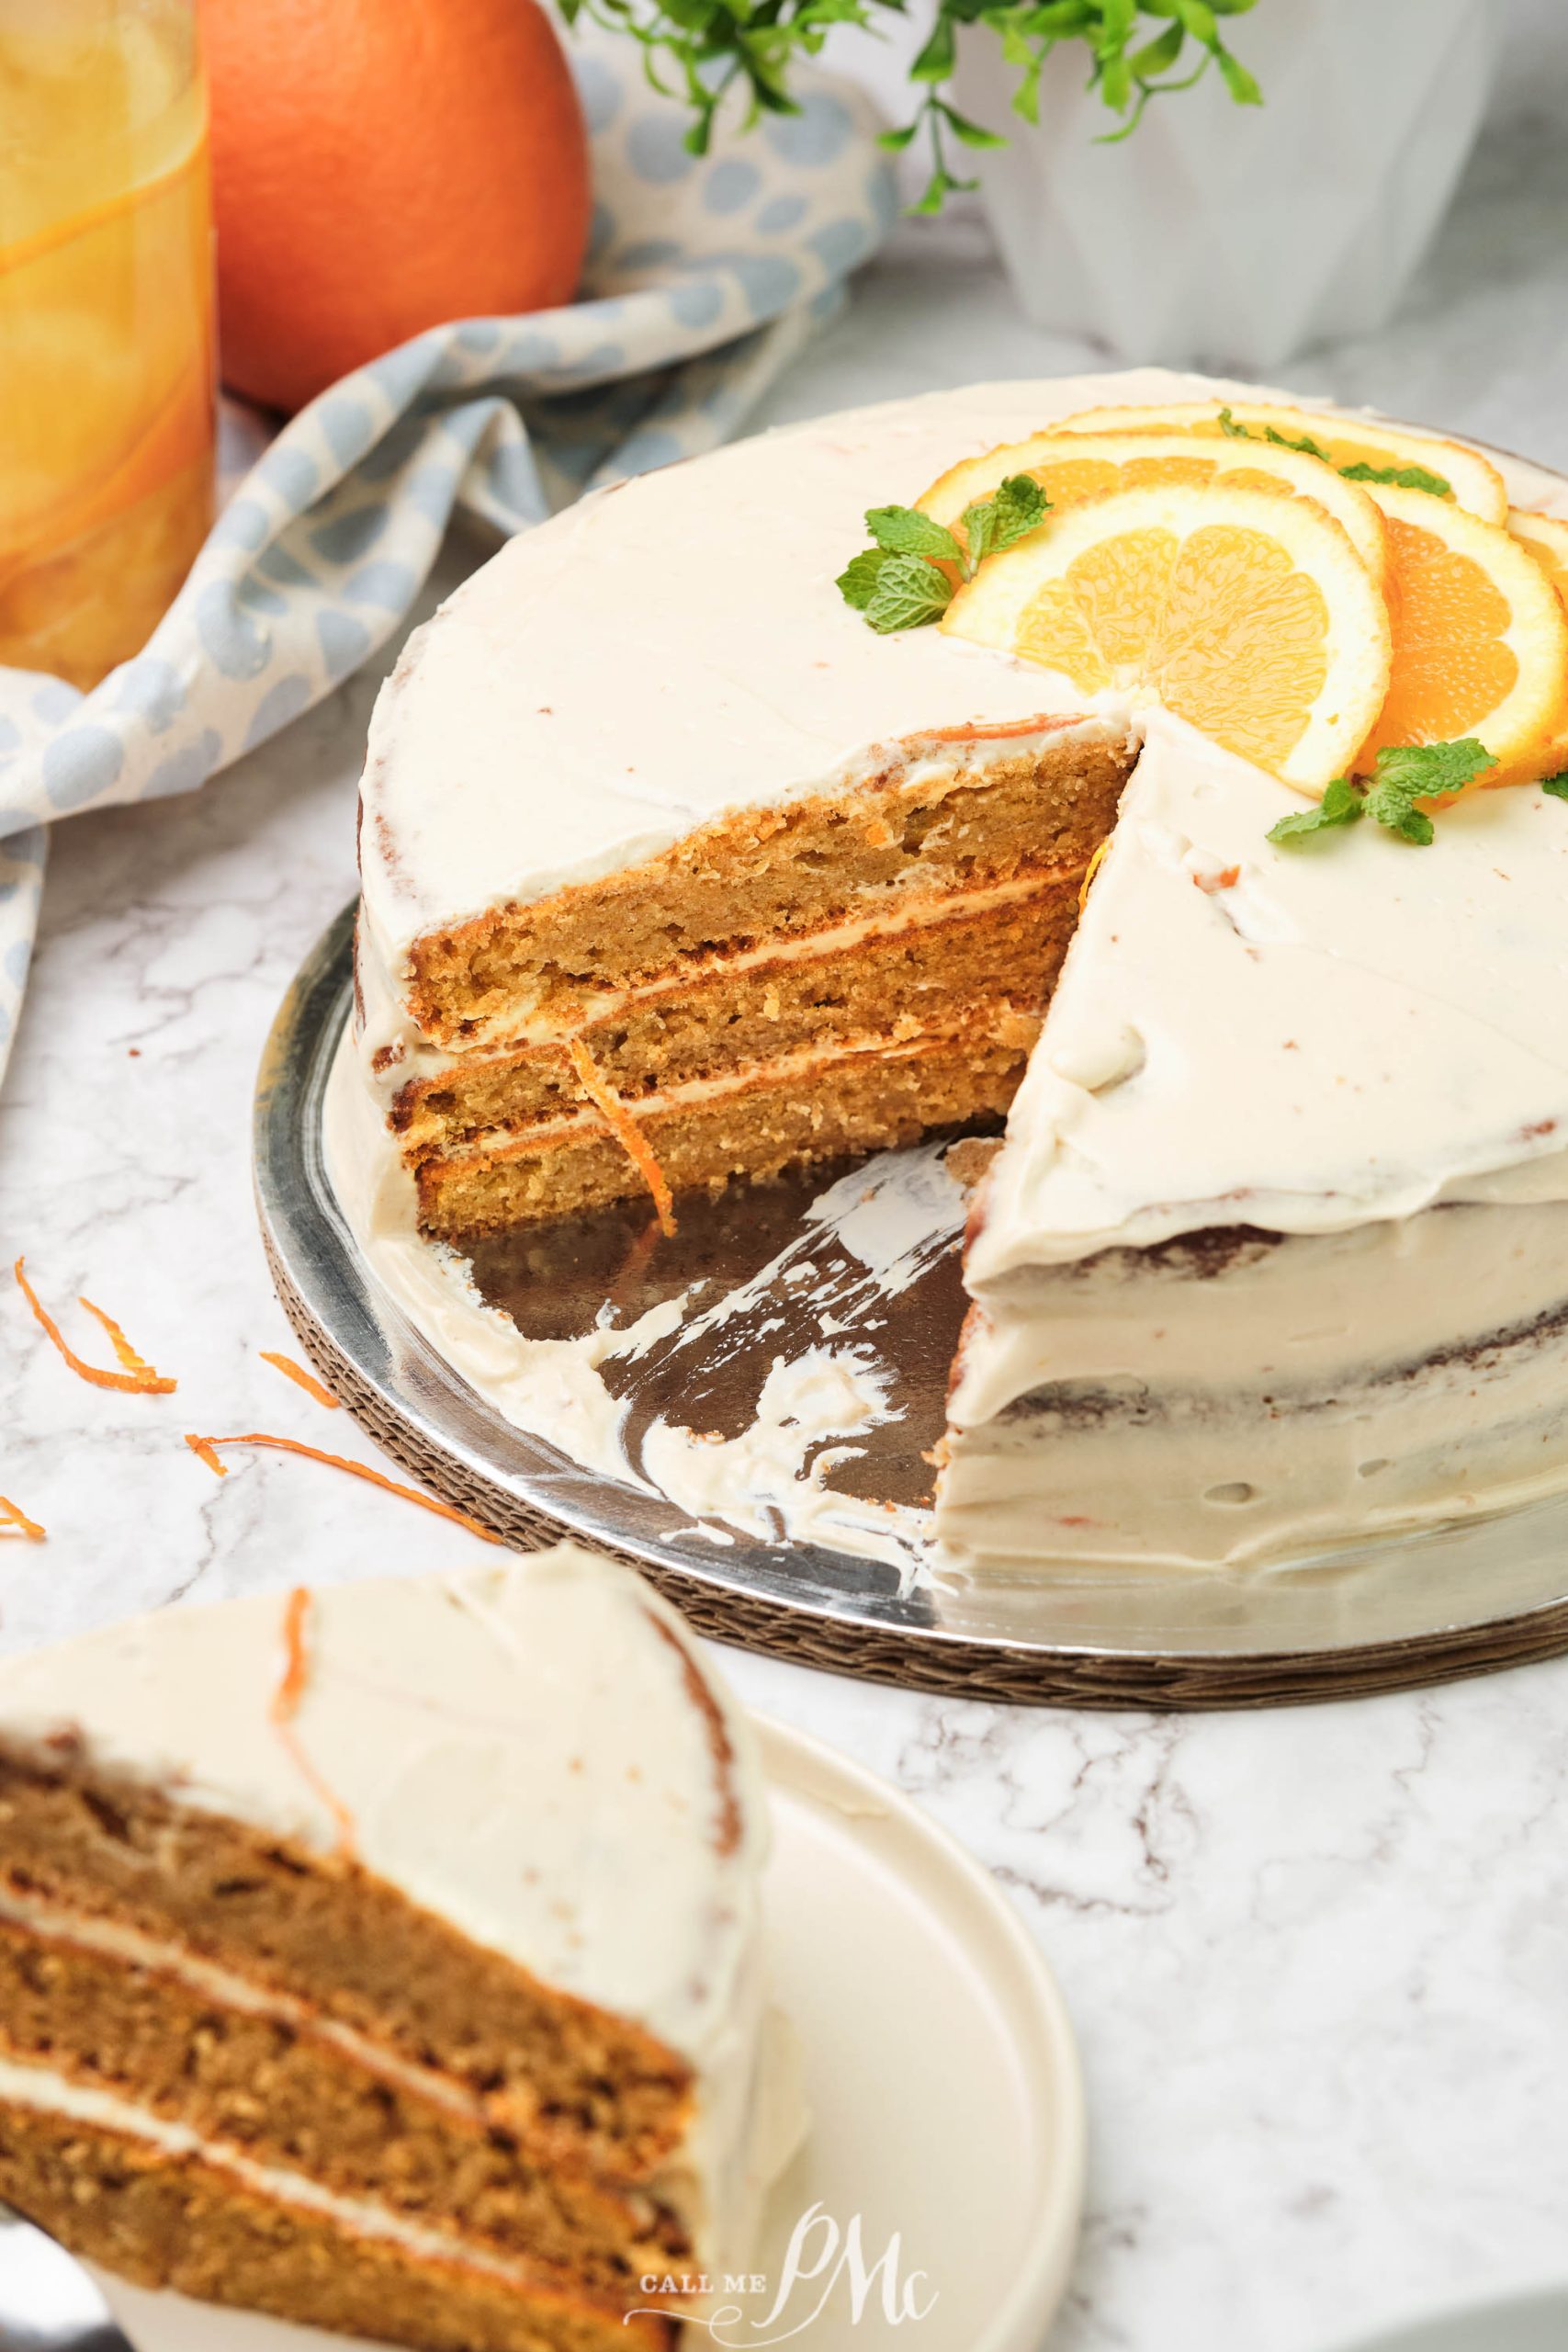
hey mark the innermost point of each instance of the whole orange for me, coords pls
(379, 167)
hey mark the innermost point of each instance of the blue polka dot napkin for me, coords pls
(705, 276)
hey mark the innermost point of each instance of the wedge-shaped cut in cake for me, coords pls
(388, 1958)
(699, 838)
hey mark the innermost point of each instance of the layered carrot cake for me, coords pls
(1168, 769)
(388, 1958)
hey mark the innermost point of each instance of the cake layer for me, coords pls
(948, 959)
(329, 1934)
(1231, 1394)
(813, 1107)
(938, 814)
(153, 2205)
(236, 2066)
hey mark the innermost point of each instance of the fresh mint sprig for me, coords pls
(1404, 775)
(906, 579)
(1398, 477)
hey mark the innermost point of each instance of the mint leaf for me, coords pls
(1341, 805)
(1019, 507)
(1403, 775)
(979, 522)
(910, 591)
(897, 584)
(1556, 785)
(1306, 447)
(1015, 507)
(857, 581)
(1406, 773)
(904, 530)
(1399, 477)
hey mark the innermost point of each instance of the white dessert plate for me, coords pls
(1461, 1598)
(947, 2105)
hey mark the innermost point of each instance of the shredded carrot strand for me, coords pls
(131, 1358)
(979, 732)
(20, 1524)
(285, 1703)
(626, 1132)
(206, 1450)
(634, 1265)
(138, 1378)
(300, 1378)
(1090, 870)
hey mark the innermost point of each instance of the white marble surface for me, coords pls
(1318, 1960)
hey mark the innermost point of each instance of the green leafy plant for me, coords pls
(907, 577)
(1404, 775)
(702, 50)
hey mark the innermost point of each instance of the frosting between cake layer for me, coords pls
(395, 1051)
(53, 2094)
(1237, 1394)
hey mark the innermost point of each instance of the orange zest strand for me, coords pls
(285, 1703)
(137, 1378)
(626, 1132)
(300, 1378)
(19, 1523)
(206, 1450)
(1090, 870)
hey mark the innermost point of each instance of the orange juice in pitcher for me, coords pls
(106, 326)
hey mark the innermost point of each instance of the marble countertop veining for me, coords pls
(1317, 1959)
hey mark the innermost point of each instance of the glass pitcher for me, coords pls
(106, 363)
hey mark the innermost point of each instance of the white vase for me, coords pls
(1228, 235)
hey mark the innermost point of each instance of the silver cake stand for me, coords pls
(1459, 1600)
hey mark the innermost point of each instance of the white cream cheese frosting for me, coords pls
(674, 649)
(1297, 1038)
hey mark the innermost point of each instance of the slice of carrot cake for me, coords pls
(388, 1958)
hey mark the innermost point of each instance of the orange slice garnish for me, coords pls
(1480, 638)
(1092, 465)
(1474, 482)
(1248, 614)
(1544, 537)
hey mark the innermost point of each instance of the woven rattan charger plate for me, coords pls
(1455, 1600)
